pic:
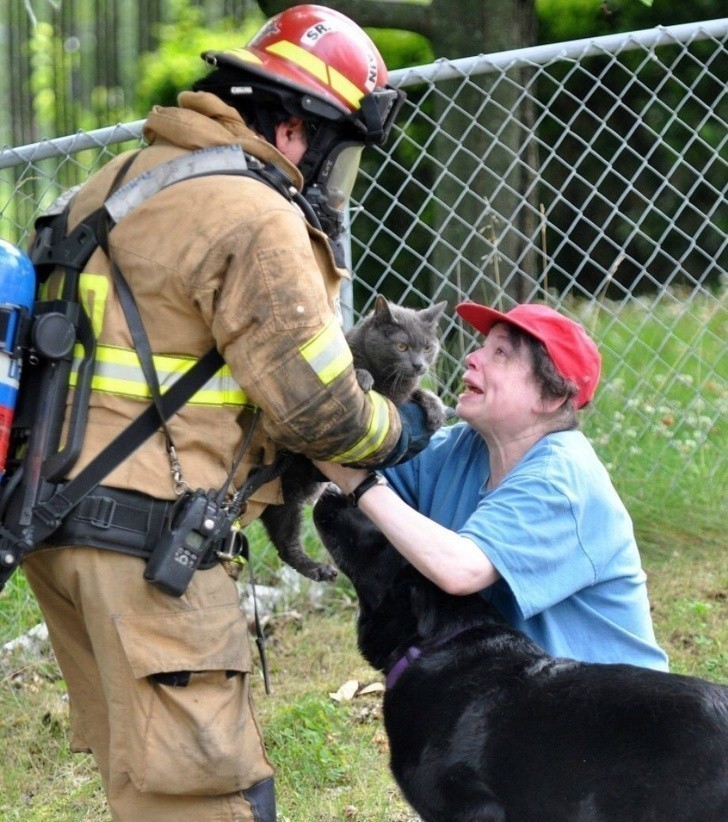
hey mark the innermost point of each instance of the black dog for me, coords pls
(483, 725)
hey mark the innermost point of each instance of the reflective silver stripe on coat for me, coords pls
(222, 159)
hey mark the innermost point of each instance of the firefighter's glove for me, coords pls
(414, 437)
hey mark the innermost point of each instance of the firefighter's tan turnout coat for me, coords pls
(160, 686)
(225, 261)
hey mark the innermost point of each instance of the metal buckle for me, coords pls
(236, 546)
(102, 512)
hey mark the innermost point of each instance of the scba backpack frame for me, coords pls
(36, 356)
(37, 350)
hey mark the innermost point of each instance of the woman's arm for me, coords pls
(452, 562)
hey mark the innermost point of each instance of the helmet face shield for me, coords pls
(331, 162)
(338, 174)
(329, 191)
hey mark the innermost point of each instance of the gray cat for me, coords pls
(393, 347)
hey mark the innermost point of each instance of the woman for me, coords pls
(514, 503)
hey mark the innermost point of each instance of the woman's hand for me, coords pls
(453, 562)
(346, 478)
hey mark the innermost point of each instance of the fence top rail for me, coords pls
(73, 143)
(444, 69)
(441, 69)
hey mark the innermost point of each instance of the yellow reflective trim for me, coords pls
(376, 432)
(52, 288)
(118, 372)
(300, 57)
(244, 54)
(328, 353)
(345, 88)
(93, 291)
(316, 66)
(127, 357)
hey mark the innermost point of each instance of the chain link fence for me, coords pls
(589, 175)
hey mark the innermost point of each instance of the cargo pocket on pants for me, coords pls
(190, 731)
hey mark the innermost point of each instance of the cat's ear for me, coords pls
(381, 305)
(434, 312)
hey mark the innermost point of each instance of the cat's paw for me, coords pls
(325, 573)
(365, 379)
(436, 412)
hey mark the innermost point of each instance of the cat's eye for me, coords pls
(401, 346)
(428, 348)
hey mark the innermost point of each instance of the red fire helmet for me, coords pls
(327, 59)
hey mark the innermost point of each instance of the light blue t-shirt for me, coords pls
(558, 534)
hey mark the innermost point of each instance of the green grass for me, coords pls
(660, 423)
(331, 756)
(660, 417)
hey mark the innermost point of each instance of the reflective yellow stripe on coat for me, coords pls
(329, 356)
(118, 372)
(327, 353)
(376, 432)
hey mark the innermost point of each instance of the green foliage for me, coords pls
(661, 127)
(18, 609)
(176, 64)
(41, 81)
(568, 19)
(402, 49)
(55, 107)
(573, 19)
(651, 427)
(313, 731)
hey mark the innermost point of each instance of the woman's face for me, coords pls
(501, 396)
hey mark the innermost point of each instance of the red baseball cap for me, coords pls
(574, 353)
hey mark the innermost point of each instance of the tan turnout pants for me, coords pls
(165, 752)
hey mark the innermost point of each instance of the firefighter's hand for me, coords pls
(416, 433)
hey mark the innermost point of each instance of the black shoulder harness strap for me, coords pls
(65, 499)
(53, 247)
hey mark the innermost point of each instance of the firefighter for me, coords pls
(159, 685)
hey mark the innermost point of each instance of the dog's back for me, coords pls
(478, 720)
(484, 726)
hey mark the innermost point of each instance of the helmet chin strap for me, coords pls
(330, 220)
(322, 140)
